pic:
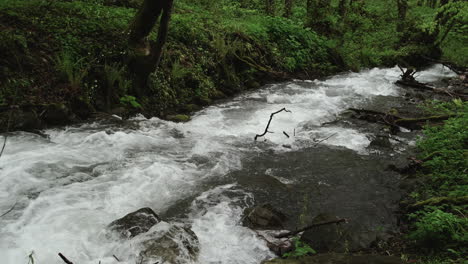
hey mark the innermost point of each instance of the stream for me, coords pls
(68, 185)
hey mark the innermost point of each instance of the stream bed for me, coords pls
(67, 185)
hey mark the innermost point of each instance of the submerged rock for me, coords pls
(170, 244)
(135, 223)
(381, 141)
(339, 259)
(264, 217)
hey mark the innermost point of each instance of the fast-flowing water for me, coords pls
(67, 187)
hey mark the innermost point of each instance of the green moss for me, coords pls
(178, 118)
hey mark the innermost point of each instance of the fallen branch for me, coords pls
(398, 121)
(293, 233)
(453, 67)
(440, 200)
(64, 258)
(6, 134)
(320, 141)
(423, 86)
(409, 122)
(11, 209)
(269, 121)
(415, 84)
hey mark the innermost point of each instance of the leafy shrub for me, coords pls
(437, 228)
(128, 100)
(300, 249)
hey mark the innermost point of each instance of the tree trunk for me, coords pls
(270, 7)
(144, 57)
(288, 5)
(402, 6)
(342, 8)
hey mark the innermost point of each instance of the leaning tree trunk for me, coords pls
(402, 6)
(288, 5)
(144, 57)
(342, 8)
(270, 7)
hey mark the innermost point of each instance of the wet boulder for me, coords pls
(349, 237)
(327, 237)
(20, 119)
(381, 141)
(334, 258)
(170, 244)
(264, 217)
(135, 223)
(57, 114)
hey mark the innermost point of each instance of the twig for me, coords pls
(292, 233)
(116, 258)
(286, 134)
(320, 141)
(11, 209)
(269, 121)
(6, 135)
(64, 258)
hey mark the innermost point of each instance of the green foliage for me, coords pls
(439, 229)
(116, 79)
(129, 100)
(72, 70)
(444, 149)
(449, 141)
(300, 249)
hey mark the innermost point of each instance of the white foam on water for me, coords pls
(68, 187)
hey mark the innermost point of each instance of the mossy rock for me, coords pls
(178, 118)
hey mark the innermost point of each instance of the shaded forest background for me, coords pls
(70, 57)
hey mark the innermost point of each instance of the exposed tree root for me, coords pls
(440, 200)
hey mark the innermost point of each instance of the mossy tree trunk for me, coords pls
(270, 7)
(317, 12)
(342, 8)
(402, 6)
(144, 57)
(288, 5)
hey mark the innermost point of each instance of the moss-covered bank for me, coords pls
(72, 54)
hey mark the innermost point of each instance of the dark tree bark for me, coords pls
(342, 8)
(288, 5)
(317, 11)
(402, 6)
(309, 7)
(270, 7)
(443, 2)
(144, 57)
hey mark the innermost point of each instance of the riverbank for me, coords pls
(64, 62)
